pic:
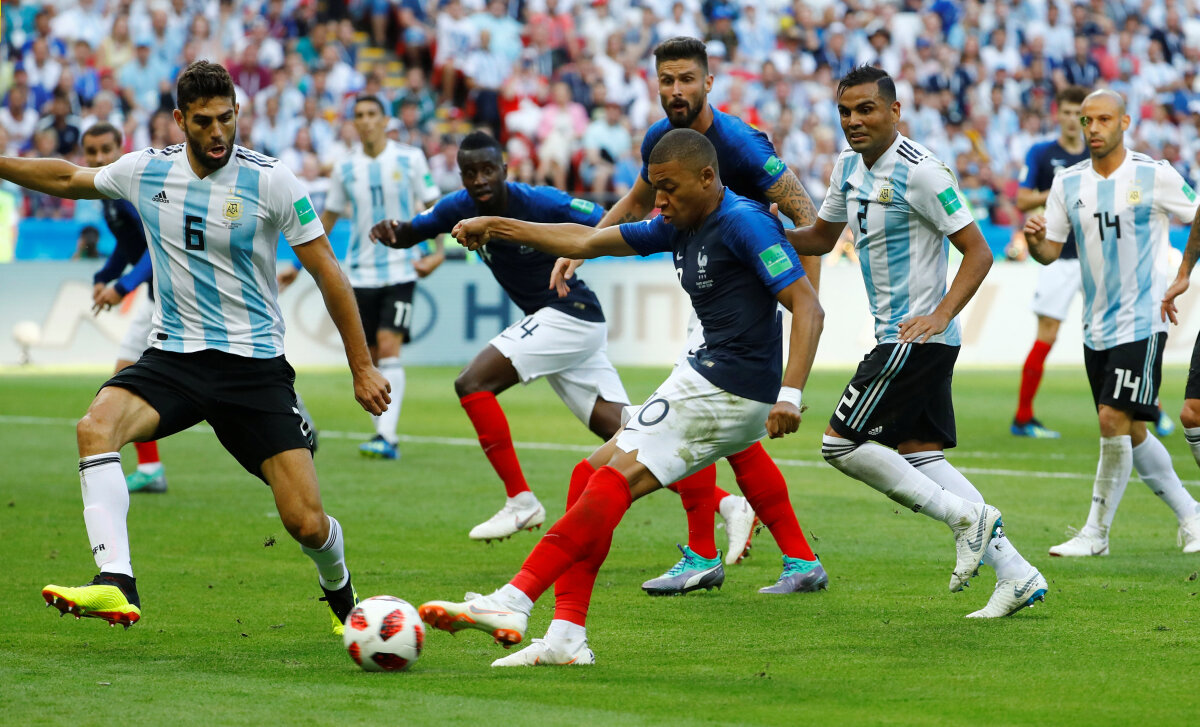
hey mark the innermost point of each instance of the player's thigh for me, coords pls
(581, 386)
(549, 342)
(897, 389)
(171, 384)
(115, 417)
(1057, 285)
(1127, 377)
(395, 315)
(689, 423)
(1192, 389)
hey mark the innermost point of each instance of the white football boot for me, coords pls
(550, 652)
(1013, 594)
(485, 613)
(971, 541)
(740, 522)
(522, 512)
(1189, 534)
(1082, 544)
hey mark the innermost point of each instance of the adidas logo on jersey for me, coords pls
(1078, 203)
(161, 197)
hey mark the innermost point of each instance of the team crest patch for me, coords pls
(304, 210)
(233, 208)
(774, 165)
(1189, 192)
(885, 195)
(1134, 196)
(583, 206)
(775, 260)
(950, 200)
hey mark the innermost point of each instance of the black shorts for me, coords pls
(389, 308)
(1192, 390)
(249, 402)
(1127, 376)
(901, 391)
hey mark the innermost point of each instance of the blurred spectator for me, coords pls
(455, 36)
(42, 71)
(559, 131)
(504, 31)
(66, 125)
(18, 118)
(679, 23)
(44, 206)
(116, 49)
(408, 127)
(86, 247)
(140, 78)
(417, 91)
(444, 166)
(486, 71)
(604, 141)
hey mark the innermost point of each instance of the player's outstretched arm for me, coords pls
(1040, 249)
(637, 203)
(816, 238)
(578, 242)
(56, 177)
(807, 321)
(977, 260)
(1182, 279)
(394, 233)
(371, 389)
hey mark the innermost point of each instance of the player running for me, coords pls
(749, 167)
(1118, 203)
(735, 264)
(212, 213)
(381, 179)
(903, 203)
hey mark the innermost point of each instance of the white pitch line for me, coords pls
(555, 447)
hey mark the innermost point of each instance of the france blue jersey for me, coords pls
(732, 268)
(746, 160)
(1044, 160)
(523, 272)
(213, 243)
(126, 226)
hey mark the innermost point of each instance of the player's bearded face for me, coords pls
(683, 88)
(210, 126)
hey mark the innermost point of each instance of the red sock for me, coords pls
(492, 427)
(147, 452)
(763, 485)
(697, 491)
(585, 530)
(573, 589)
(1031, 377)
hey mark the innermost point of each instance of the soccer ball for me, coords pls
(384, 633)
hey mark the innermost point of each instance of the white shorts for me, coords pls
(1057, 285)
(137, 338)
(569, 353)
(688, 423)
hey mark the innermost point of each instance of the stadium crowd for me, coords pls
(568, 85)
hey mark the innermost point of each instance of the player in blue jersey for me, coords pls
(902, 204)
(102, 146)
(1059, 283)
(732, 258)
(212, 213)
(560, 338)
(751, 168)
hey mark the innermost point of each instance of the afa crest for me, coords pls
(233, 208)
(885, 195)
(1134, 196)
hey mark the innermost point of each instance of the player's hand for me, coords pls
(1035, 230)
(1176, 289)
(473, 233)
(564, 270)
(427, 264)
(784, 419)
(922, 328)
(774, 210)
(286, 277)
(385, 232)
(372, 389)
(106, 299)
(97, 289)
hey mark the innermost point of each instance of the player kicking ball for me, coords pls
(213, 213)
(1118, 204)
(735, 264)
(902, 203)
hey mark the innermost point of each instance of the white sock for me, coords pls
(1001, 555)
(891, 474)
(150, 469)
(1153, 465)
(566, 631)
(387, 423)
(514, 598)
(1192, 435)
(1112, 476)
(330, 558)
(105, 509)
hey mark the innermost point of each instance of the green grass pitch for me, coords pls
(232, 632)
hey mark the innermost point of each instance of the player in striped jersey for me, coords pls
(902, 204)
(212, 213)
(382, 179)
(1117, 203)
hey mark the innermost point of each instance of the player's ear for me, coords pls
(708, 82)
(178, 116)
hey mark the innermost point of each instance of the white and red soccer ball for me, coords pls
(384, 633)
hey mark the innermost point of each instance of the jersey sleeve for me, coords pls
(933, 193)
(115, 181)
(833, 208)
(443, 217)
(1173, 193)
(422, 180)
(335, 199)
(1029, 175)
(757, 239)
(290, 208)
(141, 272)
(758, 156)
(649, 236)
(648, 142)
(558, 206)
(1058, 226)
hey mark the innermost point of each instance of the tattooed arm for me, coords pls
(788, 193)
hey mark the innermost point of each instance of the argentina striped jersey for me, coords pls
(1121, 227)
(900, 211)
(393, 185)
(212, 244)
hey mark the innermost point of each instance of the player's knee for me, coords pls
(309, 528)
(1113, 422)
(94, 434)
(466, 384)
(1190, 416)
(835, 449)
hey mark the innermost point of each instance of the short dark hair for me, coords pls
(202, 80)
(869, 74)
(681, 48)
(369, 98)
(101, 128)
(688, 146)
(1071, 94)
(480, 140)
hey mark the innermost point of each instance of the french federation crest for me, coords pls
(1134, 196)
(233, 208)
(885, 195)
